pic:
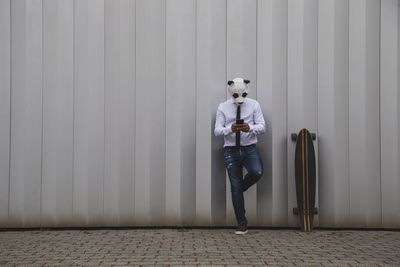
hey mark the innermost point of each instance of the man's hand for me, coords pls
(236, 127)
(244, 127)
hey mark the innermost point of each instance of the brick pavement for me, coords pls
(203, 247)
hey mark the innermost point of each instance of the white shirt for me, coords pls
(250, 112)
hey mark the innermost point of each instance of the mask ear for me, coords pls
(230, 83)
(246, 81)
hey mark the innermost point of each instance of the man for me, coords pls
(240, 120)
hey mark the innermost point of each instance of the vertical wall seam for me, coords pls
(226, 43)
(348, 107)
(104, 99)
(288, 140)
(397, 95)
(165, 114)
(287, 114)
(226, 78)
(316, 112)
(195, 110)
(134, 117)
(195, 106)
(135, 108)
(73, 103)
(41, 150)
(380, 112)
(257, 186)
(256, 51)
(9, 144)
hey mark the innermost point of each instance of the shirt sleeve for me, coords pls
(259, 123)
(220, 128)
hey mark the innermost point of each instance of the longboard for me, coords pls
(305, 178)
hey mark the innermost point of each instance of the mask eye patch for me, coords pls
(244, 94)
(235, 95)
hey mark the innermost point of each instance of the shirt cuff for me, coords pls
(251, 128)
(228, 130)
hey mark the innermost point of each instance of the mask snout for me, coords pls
(240, 101)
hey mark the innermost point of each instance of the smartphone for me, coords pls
(239, 121)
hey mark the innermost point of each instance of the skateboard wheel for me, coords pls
(294, 137)
(295, 211)
(313, 136)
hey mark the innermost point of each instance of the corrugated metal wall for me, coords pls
(107, 109)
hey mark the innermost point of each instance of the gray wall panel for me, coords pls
(58, 82)
(107, 116)
(272, 96)
(341, 80)
(150, 113)
(333, 112)
(5, 102)
(265, 26)
(26, 114)
(119, 112)
(210, 91)
(364, 156)
(88, 112)
(390, 119)
(326, 107)
(180, 112)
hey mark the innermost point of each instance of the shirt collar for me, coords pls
(230, 100)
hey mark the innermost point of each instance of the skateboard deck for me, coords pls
(305, 178)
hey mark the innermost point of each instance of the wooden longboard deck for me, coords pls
(305, 179)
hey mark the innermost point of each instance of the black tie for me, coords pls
(238, 133)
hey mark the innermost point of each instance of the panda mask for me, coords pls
(238, 90)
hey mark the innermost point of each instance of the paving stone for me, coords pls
(162, 247)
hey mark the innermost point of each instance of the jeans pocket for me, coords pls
(251, 148)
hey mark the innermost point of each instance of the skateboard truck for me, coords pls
(294, 136)
(296, 211)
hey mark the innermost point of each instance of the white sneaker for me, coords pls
(241, 230)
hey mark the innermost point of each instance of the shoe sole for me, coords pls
(241, 233)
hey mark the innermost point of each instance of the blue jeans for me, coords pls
(234, 159)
